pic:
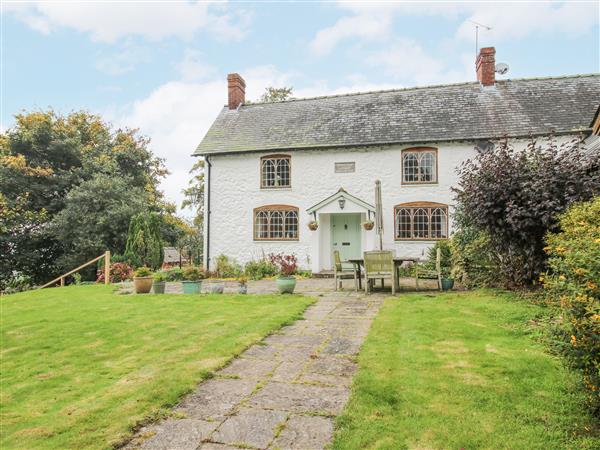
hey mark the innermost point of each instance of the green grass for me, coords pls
(461, 371)
(82, 366)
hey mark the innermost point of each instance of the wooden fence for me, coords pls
(106, 257)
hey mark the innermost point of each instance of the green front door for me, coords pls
(345, 235)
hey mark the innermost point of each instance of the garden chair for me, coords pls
(339, 273)
(379, 265)
(429, 273)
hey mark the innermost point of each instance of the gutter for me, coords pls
(207, 214)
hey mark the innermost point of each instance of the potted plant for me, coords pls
(447, 280)
(192, 280)
(159, 283)
(313, 225)
(368, 225)
(243, 284)
(142, 280)
(287, 265)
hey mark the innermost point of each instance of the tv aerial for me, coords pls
(477, 25)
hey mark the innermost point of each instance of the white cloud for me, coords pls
(509, 20)
(518, 20)
(367, 27)
(109, 21)
(193, 67)
(124, 60)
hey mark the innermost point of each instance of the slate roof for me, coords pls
(454, 112)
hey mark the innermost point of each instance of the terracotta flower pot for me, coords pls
(142, 285)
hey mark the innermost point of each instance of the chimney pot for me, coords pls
(236, 90)
(485, 65)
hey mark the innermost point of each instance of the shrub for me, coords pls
(227, 268)
(119, 272)
(515, 196)
(257, 270)
(574, 282)
(445, 256)
(287, 264)
(17, 282)
(142, 272)
(473, 258)
(192, 273)
(174, 274)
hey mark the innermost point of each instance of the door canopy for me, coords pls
(341, 202)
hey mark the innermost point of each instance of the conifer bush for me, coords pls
(573, 281)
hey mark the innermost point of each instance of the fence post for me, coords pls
(62, 281)
(107, 267)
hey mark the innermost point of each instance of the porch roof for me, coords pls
(340, 194)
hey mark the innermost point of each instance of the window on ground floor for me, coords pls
(276, 222)
(420, 220)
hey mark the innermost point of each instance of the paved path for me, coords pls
(280, 394)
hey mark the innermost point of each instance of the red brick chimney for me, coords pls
(485, 65)
(236, 90)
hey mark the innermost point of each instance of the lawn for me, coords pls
(461, 371)
(81, 365)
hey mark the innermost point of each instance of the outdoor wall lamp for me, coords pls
(342, 202)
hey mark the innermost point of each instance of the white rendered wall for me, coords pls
(235, 192)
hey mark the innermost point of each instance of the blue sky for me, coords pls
(161, 66)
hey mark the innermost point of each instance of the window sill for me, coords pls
(420, 184)
(284, 188)
(419, 239)
(276, 240)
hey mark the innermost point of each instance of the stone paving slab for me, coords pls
(280, 394)
(182, 434)
(305, 433)
(250, 428)
(250, 369)
(304, 398)
(215, 398)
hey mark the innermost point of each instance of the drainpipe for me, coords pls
(207, 214)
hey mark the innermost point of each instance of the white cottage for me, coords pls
(271, 168)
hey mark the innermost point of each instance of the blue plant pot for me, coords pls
(191, 287)
(447, 284)
(286, 285)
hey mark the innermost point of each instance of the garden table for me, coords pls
(398, 260)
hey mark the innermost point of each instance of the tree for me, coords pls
(42, 159)
(272, 94)
(194, 193)
(95, 217)
(144, 244)
(516, 196)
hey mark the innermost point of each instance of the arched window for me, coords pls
(420, 220)
(419, 165)
(276, 222)
(275, 171)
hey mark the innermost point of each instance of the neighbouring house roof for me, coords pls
(455, 112)
(172, 255)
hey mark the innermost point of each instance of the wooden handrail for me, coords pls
(106, 257)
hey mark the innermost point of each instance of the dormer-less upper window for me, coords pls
(276, 171)
(419, 165)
